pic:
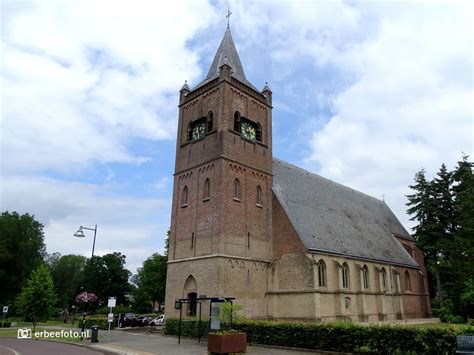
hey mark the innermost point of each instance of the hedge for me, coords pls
(189, 327)
(338, 336)
(102, 322)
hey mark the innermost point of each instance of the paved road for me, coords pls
(141, 343)
(133, 342)
(12, 346)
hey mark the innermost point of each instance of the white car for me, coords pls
(160, 320)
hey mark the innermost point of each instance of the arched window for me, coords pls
(184, 196)
(384, 279)
(237, 121)
(190, 133)
(322, 273)
(258, 133)
(207, 189)
(365, 276)
(237, 189)
(345, 275)
(210, 119)
(190, 292)
(407, 281)
(259, 196)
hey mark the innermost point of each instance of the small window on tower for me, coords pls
(237, 121)
(258, 135)
(237, 189)
(190, 133)
(184, 197)
(210, 119)
(259, 196)
(207, 190)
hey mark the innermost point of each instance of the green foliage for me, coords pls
(37, 298)
(68, 276)
(116, 310)
(151, 282)
(141, 301)
(106, 276)
(338, 336)
(7, 324)
(101, 322)
(21, 251)
(444, 210)
(446, 313)
(189, 327)
(229, 313)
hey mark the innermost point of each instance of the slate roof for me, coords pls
(333, 218)
(226, 54)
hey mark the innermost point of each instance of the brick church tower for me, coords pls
(221, 226)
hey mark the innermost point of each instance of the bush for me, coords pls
(116, 310)
(338, 336)
(7, 324)
(97, 320)
(189, 327)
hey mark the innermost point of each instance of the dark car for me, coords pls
(127, 320)
(143, 321)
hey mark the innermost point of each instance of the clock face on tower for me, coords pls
(198, 131)
(248, 131)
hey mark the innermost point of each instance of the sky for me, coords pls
(365, 93)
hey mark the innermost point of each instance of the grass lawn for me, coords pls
(12, 332)
(52, 323)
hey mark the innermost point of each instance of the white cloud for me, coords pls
(79, 82)
(134, 226)
(82, 82)
(410, 105)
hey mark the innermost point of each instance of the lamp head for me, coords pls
(79, 233)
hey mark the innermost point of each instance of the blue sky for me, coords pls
(365, 93)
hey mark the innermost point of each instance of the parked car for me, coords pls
(143, 321)
(160, 320)
(127, 320)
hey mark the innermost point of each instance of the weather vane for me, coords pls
(228, 16)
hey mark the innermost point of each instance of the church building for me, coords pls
(286, 243)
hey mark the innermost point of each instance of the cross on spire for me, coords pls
(228, 16)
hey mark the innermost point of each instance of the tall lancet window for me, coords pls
(207, 189)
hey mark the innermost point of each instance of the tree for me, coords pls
(21, 251)
(37, 298)
(68, 277)
(151, 278)
(463, 259)
(427, 233)
(107, 276)
(444, 210)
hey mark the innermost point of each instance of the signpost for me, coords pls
(5, 311)
(111, 304)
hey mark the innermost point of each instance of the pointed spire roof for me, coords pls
(185, 86)
(226, 54)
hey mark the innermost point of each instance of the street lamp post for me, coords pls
(80, 234)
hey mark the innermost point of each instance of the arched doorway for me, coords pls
(190, 291)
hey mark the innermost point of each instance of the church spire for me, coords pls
(227, 54)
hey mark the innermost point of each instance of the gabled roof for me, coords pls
(226, 54)
(333, 218)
